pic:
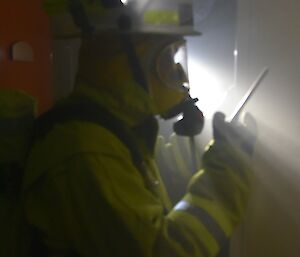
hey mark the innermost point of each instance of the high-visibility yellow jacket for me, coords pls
(84, 195)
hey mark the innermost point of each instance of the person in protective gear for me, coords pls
(83, 193)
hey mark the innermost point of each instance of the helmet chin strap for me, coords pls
(133, 60)
(125, 24)
(80, 18)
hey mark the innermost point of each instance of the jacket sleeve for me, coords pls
(95, 204)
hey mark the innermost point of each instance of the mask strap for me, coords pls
(136, 68)
(80, 18)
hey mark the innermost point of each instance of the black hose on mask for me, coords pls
(191, 124)
(192, 121)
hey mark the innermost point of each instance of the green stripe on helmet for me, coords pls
(161, 17)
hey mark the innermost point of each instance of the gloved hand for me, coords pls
(237, 135)
(226, 174)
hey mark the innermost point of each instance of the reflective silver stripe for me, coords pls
(212, 226)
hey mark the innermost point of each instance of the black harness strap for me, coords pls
(80, 109)
(88, 111)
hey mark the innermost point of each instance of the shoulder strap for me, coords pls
(86, 110)
(81, 110)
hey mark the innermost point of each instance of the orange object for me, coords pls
(25, 50)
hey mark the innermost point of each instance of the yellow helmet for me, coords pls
(70, 17)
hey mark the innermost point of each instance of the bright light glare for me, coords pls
(179, 117)
(207, 87)
(179, 56)
(124, 2)
(235, 52)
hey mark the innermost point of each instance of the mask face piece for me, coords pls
(164, 61)
(171, 66)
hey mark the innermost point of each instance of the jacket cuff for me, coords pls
(210, 214)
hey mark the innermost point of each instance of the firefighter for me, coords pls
(84, 194)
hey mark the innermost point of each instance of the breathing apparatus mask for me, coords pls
(84, 18)
(171, 66)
